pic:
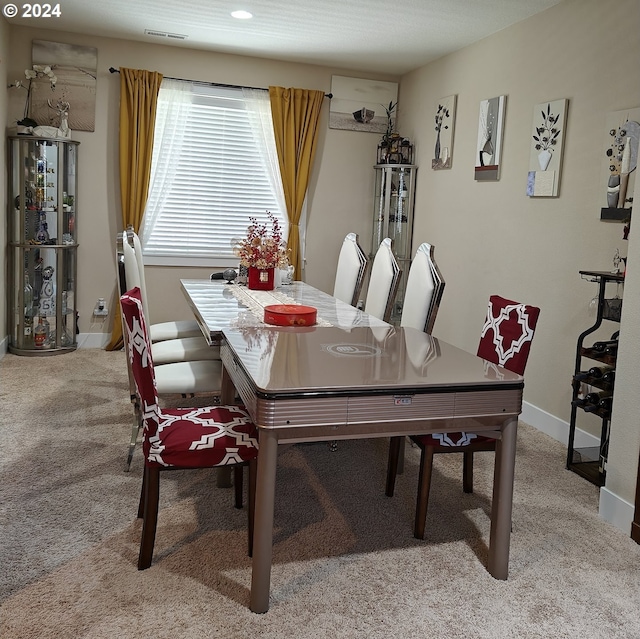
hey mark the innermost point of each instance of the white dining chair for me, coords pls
(423, 293)
(352, 267)
(163, 330)
(383, 283)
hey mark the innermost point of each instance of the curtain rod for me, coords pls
(216, 84)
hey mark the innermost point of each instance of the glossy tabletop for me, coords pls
(329, 361)
(216, 307)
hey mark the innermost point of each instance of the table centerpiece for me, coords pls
(262, 251)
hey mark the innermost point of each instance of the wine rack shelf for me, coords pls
(590, 462)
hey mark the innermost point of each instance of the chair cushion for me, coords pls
(174, 330)
(184, 349)
(201, 437)
(507, 333)
(193, 377)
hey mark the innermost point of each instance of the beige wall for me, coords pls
(341, 192)
(490, 237)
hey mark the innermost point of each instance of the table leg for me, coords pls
(501, 507)
(263, 522)
(227, 397)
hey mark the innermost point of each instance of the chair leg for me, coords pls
(467, 472)
(237, 481)
(392, 464)
(143, 490)
(424, 484)
(150, 518)
(253, 475)
(137, 422)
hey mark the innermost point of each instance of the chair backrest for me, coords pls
(383, 283)
(507, 333)
(138, 347)
(137, 249)
(127, 276)
(424, 290)
(352, 266)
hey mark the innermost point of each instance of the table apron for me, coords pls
(338, 411)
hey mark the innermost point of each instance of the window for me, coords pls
(212, 169)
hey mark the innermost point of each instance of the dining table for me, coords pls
(352, 376)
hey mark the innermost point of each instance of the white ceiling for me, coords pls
(386, 36)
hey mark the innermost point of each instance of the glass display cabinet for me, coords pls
(42, 261)
(393, 218)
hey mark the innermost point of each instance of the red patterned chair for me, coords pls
(505, 341)
(179, 438)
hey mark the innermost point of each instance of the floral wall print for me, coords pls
(547, 137)
(620, 161)
(444, 120)
(489, 147)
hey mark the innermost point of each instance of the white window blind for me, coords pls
(217, 180)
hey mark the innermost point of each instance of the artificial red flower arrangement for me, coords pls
(263, 248)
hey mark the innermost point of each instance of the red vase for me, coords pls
(260, 279)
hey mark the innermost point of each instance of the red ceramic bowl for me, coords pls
(290, 315)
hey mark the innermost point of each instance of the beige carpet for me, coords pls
(345, 561)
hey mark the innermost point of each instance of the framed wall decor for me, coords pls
(445, 117)
(76, 69)
(545, 155)
(490, 130)
(619, 161)
(360, 105)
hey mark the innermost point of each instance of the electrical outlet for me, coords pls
(101, 309)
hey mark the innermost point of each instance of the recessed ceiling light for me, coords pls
(242, 15)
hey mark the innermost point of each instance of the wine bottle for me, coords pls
(609, 377)
(611, 349)
(594, 397)
(596, 372)
(593, 400)
(603, 407)
(41, 333)
(605, 404)
(601, 346)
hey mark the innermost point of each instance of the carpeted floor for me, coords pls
(345, 561)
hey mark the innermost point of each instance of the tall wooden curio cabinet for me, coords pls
(393, 218)
(43, 247)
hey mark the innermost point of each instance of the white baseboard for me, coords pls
(93, 340)
(555, 427)
(616, 510)
(4, 345)
(612, 508)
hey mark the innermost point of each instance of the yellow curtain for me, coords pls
(138, 101)
(295, 114)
